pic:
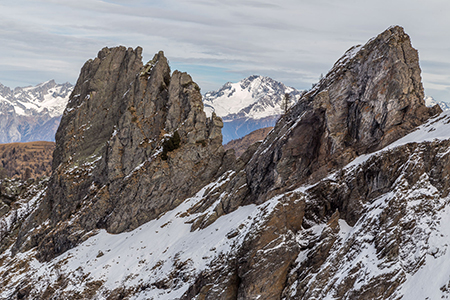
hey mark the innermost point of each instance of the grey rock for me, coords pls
(300, 248)
(371, 97)
(108, 171)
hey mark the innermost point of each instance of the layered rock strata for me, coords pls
(108, 167)
(134, 143)
(372, 96)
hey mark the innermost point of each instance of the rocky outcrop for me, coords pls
(290, 219)
(113, 165)
(371, 97)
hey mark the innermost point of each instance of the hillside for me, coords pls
(26, 160)
(240, 145)
(346, 197)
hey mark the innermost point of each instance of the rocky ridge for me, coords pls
(112, 135)
(343, 199)
(371, 97)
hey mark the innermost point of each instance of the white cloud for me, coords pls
(292, 41)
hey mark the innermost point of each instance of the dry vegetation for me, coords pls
(26, 160)
(240, 145)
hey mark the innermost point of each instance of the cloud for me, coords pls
(290, 40)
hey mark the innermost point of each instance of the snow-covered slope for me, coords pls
(254, 97)
(401, 240)
(32, 113)
(346, 198)
(163, 258)
(153, 252)
(429, 101)
(48, 97)
(250, 104)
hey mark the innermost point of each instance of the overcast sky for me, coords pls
(292, 41)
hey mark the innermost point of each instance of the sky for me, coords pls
(292, 41)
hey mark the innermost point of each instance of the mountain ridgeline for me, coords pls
(325, 207)
(250, 104)
(32, 113)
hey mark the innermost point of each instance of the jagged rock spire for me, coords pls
(111, 167)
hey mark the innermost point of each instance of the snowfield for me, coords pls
(148, 254)
(255, 97)
(163, 257)
(45, 97)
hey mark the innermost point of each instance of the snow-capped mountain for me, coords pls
(430, 102)
(32, 113)
(250, 104)
(346, 198)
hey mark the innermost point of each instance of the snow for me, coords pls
(432, 280)
(29, 100)
(423, 264)
(151, 252)
(436, 129)
(254, 97)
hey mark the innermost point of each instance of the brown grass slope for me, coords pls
(240, 145)
(26, 160)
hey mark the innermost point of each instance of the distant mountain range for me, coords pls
(255, 102)
(242, 144)
(429, 101)
(32, 113)
(346, 198)
(250, 104)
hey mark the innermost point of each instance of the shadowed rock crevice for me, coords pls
(293, 239)
(371, 97)
(107, 167)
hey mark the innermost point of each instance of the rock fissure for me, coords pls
(149, 147)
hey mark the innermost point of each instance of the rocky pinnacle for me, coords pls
(113, 166)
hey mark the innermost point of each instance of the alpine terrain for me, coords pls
(429, 101)
(32, 113)
(346, 198)
(252, 103)
(241, 145)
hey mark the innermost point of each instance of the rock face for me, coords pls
(341, 200)
(371, 97)
(108, 170)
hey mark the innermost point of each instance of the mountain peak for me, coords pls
(32, 113)
(430, 102)
(126, 125)
(346, 198)
(371, 97)
(252, 103)
(253, 97)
